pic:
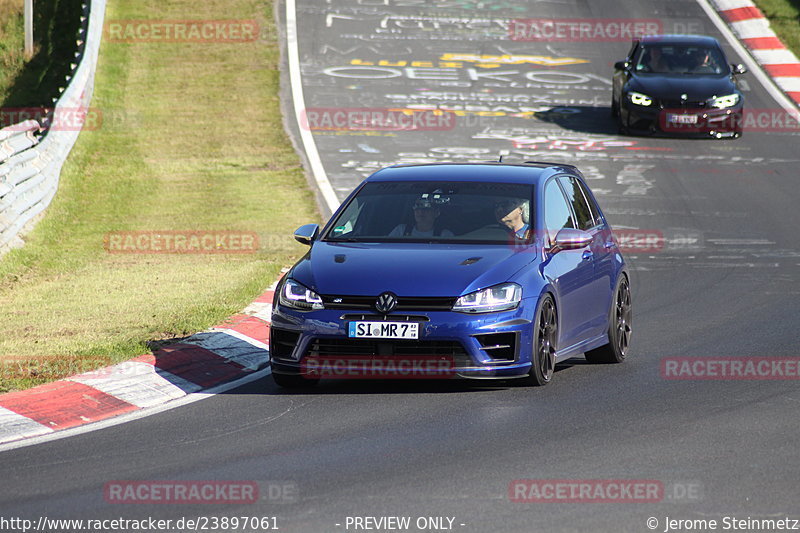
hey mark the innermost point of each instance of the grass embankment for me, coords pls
(784, 17)
(191, 139)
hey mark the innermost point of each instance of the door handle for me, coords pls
(608, 245)
(587, 254)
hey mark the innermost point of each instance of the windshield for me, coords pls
(453, 212)
(680, 59)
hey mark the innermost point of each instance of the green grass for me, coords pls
(784, 17)
(191, 139)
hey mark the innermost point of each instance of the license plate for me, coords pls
(682, 119)
(383, 330)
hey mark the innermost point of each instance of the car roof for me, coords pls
(527, 172)
(679, 39)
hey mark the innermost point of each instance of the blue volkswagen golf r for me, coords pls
(486, 270)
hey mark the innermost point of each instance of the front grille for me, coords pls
(384, 318)
(339, 347)
(499, 346)
(282, 343)
(404, 303)
(681, 104)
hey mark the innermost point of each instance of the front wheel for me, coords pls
(545, 335)
(619, 327)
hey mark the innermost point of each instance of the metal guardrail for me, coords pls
(32, 154)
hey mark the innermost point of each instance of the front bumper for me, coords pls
(480, 346)
(683, 121)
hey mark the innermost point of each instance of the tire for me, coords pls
(293, 381)
(621, 128)
(614, 107)
(619, 327)
(545, 335)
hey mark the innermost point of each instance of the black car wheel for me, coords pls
(614, 107)
(545, 335)
(619, 327)
(622, 129)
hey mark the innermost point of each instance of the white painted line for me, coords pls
(137, 383)
(790, 84)
(134, 415)
(233, 333)
(265, 313)
(225, 344)
(257, 307)
(752, 65)
(775, 57)
(306, 136)
(15, 426)
(752, 29)
(727, 5)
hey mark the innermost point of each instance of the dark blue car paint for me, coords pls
(581, 281)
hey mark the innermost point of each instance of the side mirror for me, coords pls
(621, 65)
(739, 69)
(571, 239)
(306, 234)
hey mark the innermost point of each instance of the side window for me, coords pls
(347, 221)
(583, 214)
(556, 210)
(633, 50)
(598, 219)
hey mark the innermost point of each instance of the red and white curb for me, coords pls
(752, 28)
(235, 349)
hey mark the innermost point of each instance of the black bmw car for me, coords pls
(677, 84)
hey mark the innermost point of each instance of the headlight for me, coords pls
(639, 99)
(497, 298)
(298, 296)
(721, 102)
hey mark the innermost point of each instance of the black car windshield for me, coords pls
(424, 211)
(680, 59)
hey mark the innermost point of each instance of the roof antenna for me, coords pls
(501, 159)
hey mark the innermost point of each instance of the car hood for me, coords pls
(368, 269)
(670, 87)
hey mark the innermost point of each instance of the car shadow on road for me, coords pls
(582, 119)
(402, 386)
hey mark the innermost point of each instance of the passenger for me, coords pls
(425, 224)
(656, 62)
(514, 214)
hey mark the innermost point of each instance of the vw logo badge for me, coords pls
(684, 97)
(386, 303)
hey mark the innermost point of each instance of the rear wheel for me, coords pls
(545, 334)
(619, 327)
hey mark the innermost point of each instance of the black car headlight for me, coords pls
(492, 299)
(721, 102)
(297, 296)
(639, 99)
